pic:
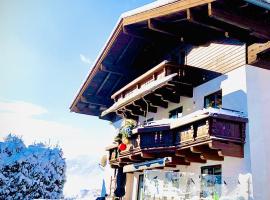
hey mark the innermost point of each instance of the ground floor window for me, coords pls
(140, 188)
(211, 181)
(208, 183)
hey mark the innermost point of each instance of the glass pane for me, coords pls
(213, 100)
(169, 185)
(176, 113)
(140, 188)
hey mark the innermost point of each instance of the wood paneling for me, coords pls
(220, 56)
(256, 48)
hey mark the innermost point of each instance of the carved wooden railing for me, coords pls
(211, 137)
(154, 139)
(211, 128)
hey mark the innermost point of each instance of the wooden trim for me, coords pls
(144, 76)
(254, 49)
(164, 10)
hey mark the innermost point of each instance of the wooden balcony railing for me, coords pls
(206, 138)
(214, 128)
(162, 84)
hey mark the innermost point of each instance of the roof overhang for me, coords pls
(145, 34)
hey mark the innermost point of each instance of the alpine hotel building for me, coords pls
(193, 79)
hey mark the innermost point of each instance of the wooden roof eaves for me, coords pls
(96, 67)
(141, 16)
(164, 10)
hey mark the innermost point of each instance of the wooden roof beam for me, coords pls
(256, 27)
(154, 26)
(200, 17)
(125, 50)
(113, 69)
(136, 34)
(103, 83)
(115, 85)
(195, 19)
(91, 99)
(88, 111)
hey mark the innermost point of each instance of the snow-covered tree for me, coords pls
(33, 172)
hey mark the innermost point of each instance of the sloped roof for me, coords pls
(99, 79)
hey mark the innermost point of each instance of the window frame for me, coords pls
(175, 110)
(219, 92)
(139, 188)
(213, 167)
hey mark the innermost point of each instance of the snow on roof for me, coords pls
(147, 7)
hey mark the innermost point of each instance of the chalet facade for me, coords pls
(192, 80)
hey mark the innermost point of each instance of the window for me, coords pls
(211, 181)
(148, 121)
(140, 188)
(176, 113)
(213, 100)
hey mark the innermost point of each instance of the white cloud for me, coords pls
(25, 119)
(85, 59)
(22, 108)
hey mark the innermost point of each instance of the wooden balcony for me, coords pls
(157, 87)
(208, 136)
(211, 138)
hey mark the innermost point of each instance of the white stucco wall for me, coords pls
(233, 85)
(258, 101)
(245, 89)
(234, 89)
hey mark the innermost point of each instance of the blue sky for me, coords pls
(46, 50)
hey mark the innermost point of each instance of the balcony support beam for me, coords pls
(167, 95)
(156, 101)
(228, 149)
(207, 153)
(145, 106)
(147, 155)
(190, 156)
(177, 160)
